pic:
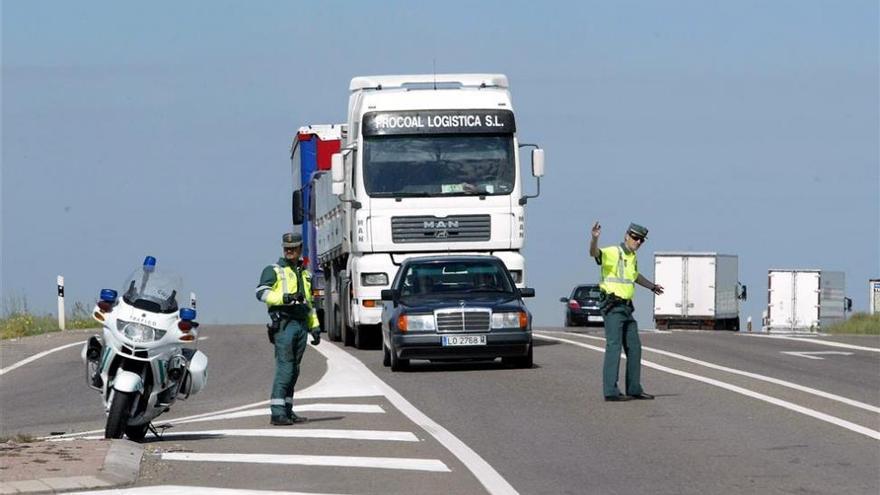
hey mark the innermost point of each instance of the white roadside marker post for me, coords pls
(192, 300)
(60, 302)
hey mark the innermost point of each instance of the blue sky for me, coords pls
(748, 128)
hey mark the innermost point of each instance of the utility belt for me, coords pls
(298, 311)
(608, 301)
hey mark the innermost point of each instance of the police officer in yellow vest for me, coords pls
(286, 289)
(619, 274)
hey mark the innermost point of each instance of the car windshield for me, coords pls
(438, 165)
(454, 277)
(587, 293)
(154, 290)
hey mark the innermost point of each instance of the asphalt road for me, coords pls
(734, 413)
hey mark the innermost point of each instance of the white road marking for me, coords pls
(193, 490)
(37, 356)
(776, 381)
(404, 463)
(356, 370)
(381, 435)
(349, 408)
(815, 354)
(813, 340)
(733, 388)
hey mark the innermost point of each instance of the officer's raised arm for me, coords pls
(594, 239)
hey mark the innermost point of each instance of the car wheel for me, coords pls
(386, 356)
(524, 362)
(396, 363)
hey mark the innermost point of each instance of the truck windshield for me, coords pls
(438, 165)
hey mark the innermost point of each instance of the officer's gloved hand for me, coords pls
(292, 298)
(316, 336)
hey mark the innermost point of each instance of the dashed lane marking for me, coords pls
(381, 435)
(347, 408)
(403, 463)
(775, 381)
(193, 490)
(733, 388)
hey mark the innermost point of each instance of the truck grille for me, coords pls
(467, 320)
(458, 228)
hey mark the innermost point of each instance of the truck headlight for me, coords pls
(374, 279)
(137, 332)
(516, 319)
(517, 276)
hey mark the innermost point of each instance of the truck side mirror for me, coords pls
(297, 207)
(743, 295)
(563, 300)
(389, 295)
(847, 304)
(538, 162)
(527, 292)
(337, 172)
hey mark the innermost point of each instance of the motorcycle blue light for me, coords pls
(188, 314)
(149, 264)
(108, 295)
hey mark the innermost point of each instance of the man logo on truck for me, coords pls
(449, 224)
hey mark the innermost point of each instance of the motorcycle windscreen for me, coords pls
(154, 291)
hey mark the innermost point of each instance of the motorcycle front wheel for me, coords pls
(117, 421)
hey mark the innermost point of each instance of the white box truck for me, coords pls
(430, 165)
(804, 300)
(701, 290)
(874, 296)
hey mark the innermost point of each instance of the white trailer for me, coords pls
(430, 165)
(804, 300)
(701, 290)
(874, 296)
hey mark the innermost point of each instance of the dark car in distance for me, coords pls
(455, 307)
(582, 306)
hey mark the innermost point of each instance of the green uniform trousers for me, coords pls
(290, 344)
(621, 329)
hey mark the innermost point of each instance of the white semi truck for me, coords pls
(804, 300)
(430, 165)
(701, 290)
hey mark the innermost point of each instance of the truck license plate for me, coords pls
(451, 340)
(595, 318)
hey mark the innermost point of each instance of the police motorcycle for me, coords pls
(140, 365)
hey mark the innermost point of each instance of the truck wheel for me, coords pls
(117, 420)
(347, 334)
(333, 329)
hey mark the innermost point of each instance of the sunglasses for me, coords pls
(637, 238)
(287, 248)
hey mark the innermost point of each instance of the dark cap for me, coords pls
(291, 239)
(637, 230)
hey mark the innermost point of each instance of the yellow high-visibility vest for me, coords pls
(286, 283)
(619, 272)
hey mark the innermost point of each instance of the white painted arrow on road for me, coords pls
(814, 354)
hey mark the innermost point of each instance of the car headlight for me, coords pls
(137, 332)
(416, 323)
(516, 319)
(374, 279)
